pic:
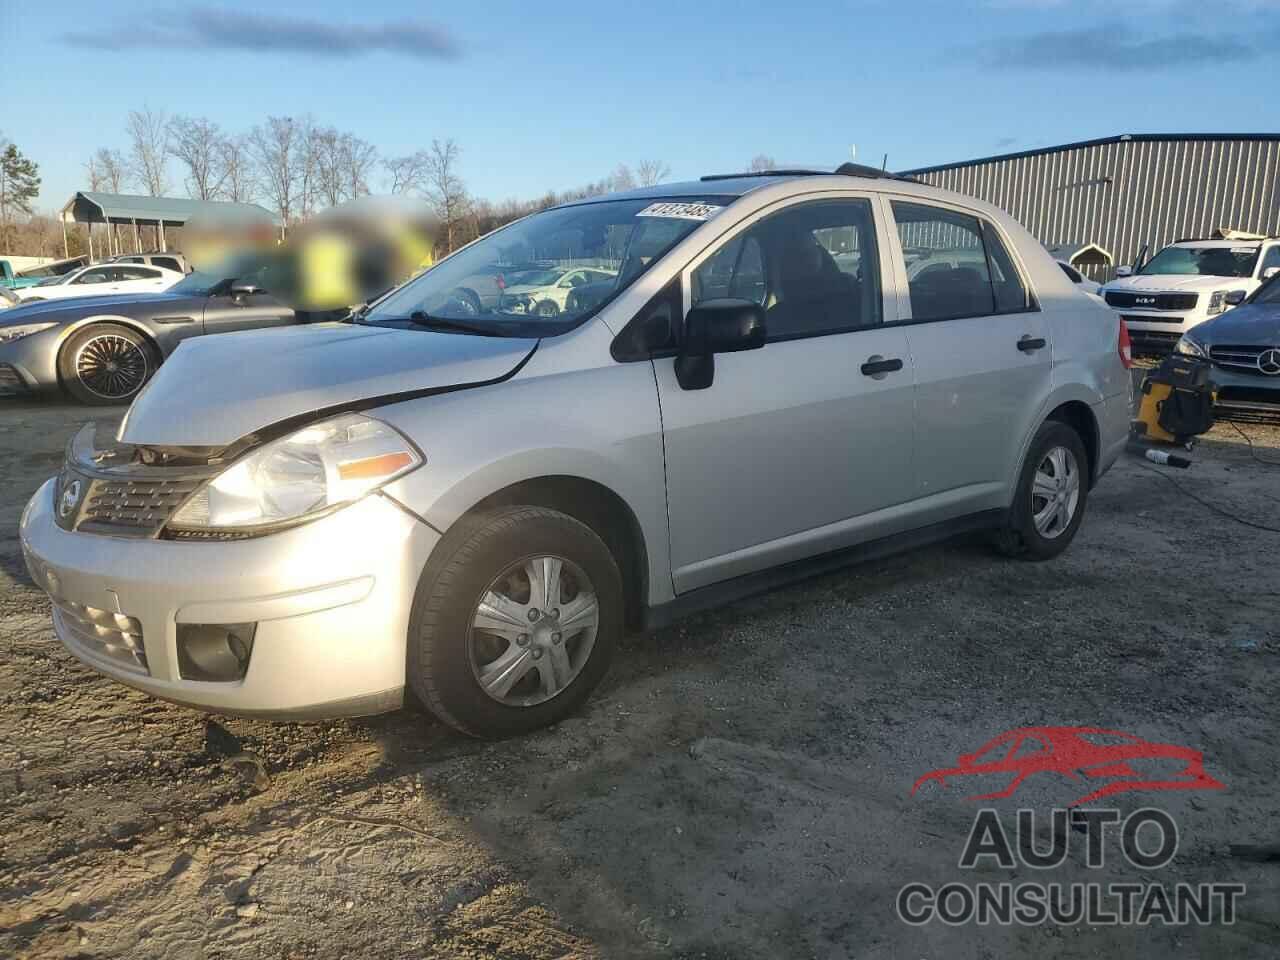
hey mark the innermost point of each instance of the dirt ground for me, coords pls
(739, 787)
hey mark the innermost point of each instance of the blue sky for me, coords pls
(550, 96)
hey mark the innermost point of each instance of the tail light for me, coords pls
(1125, 346)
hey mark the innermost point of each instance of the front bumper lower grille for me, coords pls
(1152, 342)
(10, 380)
(108, 636)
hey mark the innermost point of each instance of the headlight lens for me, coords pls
(1189, 347)
(9, 334)
(1218, 302)
(319, 468)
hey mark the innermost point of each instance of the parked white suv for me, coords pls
(475, 504)
(1185, 284)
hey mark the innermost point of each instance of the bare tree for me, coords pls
(444, 188)
(93, 170)
(276, 147)
(359, 158)
(622, 178)
(326, 149)
(149, 148)
(652, 172)
(197, 142)
(408, 173)
(239, 180)
(761, 163)
(112, 168)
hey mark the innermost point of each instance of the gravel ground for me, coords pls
(739, 787)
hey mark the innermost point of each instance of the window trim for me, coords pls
(984, 222)
(888, 306)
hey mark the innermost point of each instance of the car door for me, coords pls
(799, 447)
(226, 313)
(93, 282)
(982, 353)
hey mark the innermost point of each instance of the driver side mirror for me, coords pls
(1270, 272)
(1125, 271)
(716, 326)
(240, 291)
(1234, 298)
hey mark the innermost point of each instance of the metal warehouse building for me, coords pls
(1124, 193)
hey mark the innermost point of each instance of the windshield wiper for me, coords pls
(423, 319)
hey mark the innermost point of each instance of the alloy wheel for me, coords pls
(533, 630)
(1055, 492)
(111, 366)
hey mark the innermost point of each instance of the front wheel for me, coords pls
(1049, 503)
(514, 621)
(106, 363)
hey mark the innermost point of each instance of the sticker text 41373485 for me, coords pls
(681, 211)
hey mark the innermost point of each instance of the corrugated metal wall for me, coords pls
(1127, 193)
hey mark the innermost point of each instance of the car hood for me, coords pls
(1165, 282)
(1254, 324)
(215, 390)
(72, 308)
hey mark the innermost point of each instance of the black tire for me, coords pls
(546, 308)
(1019, 537)
(136, 357)
(465, 564)
(467, 296)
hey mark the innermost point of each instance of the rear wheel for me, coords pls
(1049, 503)
(514, 621)
(106, 364)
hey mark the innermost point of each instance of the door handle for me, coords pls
(877, 366)
(1029, 344)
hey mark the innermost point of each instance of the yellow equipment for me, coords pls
(1176, 402)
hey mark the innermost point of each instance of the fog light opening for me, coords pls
(216, 652)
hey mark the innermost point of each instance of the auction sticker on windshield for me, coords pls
(681, 211)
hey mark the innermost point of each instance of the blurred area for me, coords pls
(345, 255)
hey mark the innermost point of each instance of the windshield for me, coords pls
(53, 281)
(1269, 292)
(598, 249)
(1203, 261)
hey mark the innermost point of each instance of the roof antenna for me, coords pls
(884, 167)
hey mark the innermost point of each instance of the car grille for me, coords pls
(1242, 358)
(131, 508)
(108, 636)
(1136, 318)
(1153, 301)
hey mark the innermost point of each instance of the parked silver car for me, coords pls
(475, 505)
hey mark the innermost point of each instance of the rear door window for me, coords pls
(957, 265)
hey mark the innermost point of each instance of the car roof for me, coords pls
(1216, 244)
(784, 183)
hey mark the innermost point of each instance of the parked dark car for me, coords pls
(1244, 347)
(103, 350)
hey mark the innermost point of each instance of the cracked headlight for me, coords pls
(304, 475)
(17, 332)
